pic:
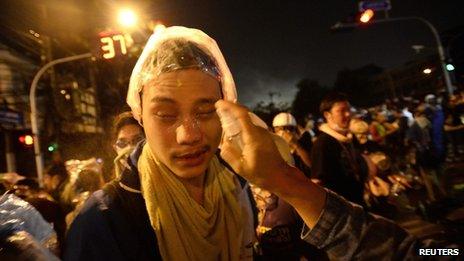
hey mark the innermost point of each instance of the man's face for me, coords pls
(180, 120)
(128, 135)
(280, 130)
(51, 182)
(339, 115)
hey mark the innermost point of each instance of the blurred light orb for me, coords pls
(427, 71)
(159, 28)
(127, 18)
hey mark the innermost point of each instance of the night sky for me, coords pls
(270, 45)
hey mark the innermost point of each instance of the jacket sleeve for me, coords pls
(90, 236)
(345, 231)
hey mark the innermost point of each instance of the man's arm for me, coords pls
(341, 228)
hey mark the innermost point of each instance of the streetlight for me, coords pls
(366, 16)
(127, 18)
(427, 71)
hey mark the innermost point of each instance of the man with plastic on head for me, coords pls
(177, 200)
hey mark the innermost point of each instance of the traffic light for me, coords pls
(52, 147)
(450, 67)
(26, 140)
(366, 16)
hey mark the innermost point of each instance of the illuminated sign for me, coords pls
(112, 44)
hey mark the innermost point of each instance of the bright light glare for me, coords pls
(159, 28)
(28, 140)
(366, 16)
(427, 71)
(127, 18)
(450, 67)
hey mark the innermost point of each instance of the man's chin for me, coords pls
(190, 172)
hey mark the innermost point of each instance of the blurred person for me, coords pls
(335, 156)
(54, 181)
(178, 200)
(360, 129)
(377, 129)
(310, 127)
(434, 113)
(419, 136)
(278, 223)
(127, 134)
(285, 125)
(454, 129)
(86, 178)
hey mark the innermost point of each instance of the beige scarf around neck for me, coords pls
(185, 230)
(338, 136)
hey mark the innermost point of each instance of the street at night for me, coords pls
(231, 130)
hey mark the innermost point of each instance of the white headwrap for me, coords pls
(145, 69)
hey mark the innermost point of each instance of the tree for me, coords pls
(307, 98)
(358, 85)
(267, 111)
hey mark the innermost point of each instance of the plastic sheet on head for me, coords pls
(161, 54)
(18, 215)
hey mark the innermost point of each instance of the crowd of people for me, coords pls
(184, 188)
(367, 155)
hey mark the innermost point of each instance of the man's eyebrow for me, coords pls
(206, 101)
(161, 99)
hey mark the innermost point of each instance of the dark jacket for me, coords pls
(341, 168)
(114, 223)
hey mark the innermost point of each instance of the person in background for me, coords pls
(127, 133)
(335, 156)
(54, 181)
(285, 126)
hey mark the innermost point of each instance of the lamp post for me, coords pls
(33, 103)
(440, 49)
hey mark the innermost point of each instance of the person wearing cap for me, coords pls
(285, 126)
(335, 156)
(177, 199)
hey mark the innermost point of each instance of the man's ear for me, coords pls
(326, 115)
(141, 113)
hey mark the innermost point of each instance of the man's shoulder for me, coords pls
(93, 210)
(323, 140)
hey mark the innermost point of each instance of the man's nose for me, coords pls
(188, 132)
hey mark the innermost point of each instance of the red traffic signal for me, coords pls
(366, 16)
(27, 140)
